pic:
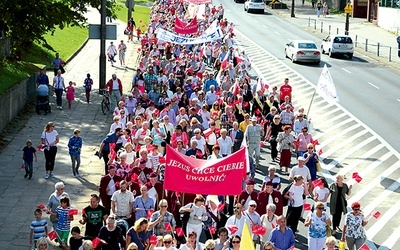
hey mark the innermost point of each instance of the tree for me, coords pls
(27, 21)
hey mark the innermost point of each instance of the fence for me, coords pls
(5, 47)
(380, 50)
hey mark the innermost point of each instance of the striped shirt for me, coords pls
(63, 223)
(38, 228)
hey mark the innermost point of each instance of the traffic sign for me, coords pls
(95, 29)
(348, 9)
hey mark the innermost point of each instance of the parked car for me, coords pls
(303, 51)
(338, 44)
(254, 5)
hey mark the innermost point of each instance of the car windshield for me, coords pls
(342, 39)
(256, 1)
(307, 46)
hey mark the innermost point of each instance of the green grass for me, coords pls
(142, 13)
(65, 41)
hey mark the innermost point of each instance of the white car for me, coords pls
(338, 44)
(254, 5)
(303, 51)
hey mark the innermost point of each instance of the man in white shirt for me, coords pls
(211, 96)
(237, 220)
(122, 202)
(201, 142)
(112, 52)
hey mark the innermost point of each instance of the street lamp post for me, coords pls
(292, 10)
(102, 59)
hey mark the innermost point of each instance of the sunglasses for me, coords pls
(321, 208)
(210, 248)
(253, 205)
(310, 148)
(268, 248)
(356, 209)
(236, 242)
(277, 118)
(163, 206)
(167, 242)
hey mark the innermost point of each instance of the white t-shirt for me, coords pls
(296, 193)
(225, 145)
(49, 138)
(200, 143)
(304, 171)
(321, 193)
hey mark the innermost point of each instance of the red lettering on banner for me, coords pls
(191, 175)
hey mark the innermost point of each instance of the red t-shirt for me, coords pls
(285, 90)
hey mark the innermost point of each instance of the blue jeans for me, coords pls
(76, 162)
(59, 93)
(29, 168)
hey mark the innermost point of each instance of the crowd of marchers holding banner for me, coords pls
(198, 100)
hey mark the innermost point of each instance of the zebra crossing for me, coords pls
(348, 146)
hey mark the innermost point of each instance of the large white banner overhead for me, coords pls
(325, 87)
(211, 34)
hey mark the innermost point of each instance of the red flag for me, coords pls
(167, 226)
(150, 213)
(23, 165)
(221, 207)
(358, 179)
(233, 229)
(186, 28)
(364, 247)
(354, 175)
(162, 160)
(116, 112)
(307, 207)
(261, 144)
(153, 240)
(239, 59)
(111, 145)
(179, 231)
(73, 211)
(212, 229)
(376, 214)
(236, 88)
(317, 183)
(315, 142)
(135, 177)
(224, 63)
(52, 235)
(258, 230)
(296, 143)
(199, 154)
(112, 155)
(95, 242)
(41, 206)
(320, 152)
(144, 132)
(207, 132)
(258, 112)
(40, 147)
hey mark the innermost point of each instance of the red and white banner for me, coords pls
(218, 176)
(186, 28)
(198, 1)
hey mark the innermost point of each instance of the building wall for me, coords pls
(389, 19)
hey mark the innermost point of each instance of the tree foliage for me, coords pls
(27, 21)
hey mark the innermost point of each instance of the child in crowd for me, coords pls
(76, 240)
(70, 90)
(64, 220)
(74, 147)
(29, 153)
(88, 86)
(38, 228)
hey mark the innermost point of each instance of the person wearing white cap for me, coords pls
(253, 216)
(253, 135)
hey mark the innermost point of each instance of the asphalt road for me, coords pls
(366, 89)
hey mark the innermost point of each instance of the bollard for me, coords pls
(390, 54)
(356, 41)
(377, 50)
(315, 24)
(337, 31)
(309, 20)
(322, 25)
(329, 28)
(366, 44)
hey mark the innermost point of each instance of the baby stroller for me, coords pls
(42, 101)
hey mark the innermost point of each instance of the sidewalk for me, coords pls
(19, 196)
(359, 29)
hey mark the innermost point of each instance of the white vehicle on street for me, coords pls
(303, 51)
(254, 5)
(338, 44)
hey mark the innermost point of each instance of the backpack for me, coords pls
(285, 190)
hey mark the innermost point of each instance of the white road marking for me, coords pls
(398, 100)
(373, 85)
(276, 33)
(346, 70)
(265, 26)
(389, 243)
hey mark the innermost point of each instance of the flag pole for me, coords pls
(312, 99)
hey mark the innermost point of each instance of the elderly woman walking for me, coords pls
(54, 201)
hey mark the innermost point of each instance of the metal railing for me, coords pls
(380, 50)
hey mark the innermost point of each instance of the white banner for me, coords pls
(211, 34)
(325, 87)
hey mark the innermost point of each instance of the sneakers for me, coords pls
(60, 108)
(26, 175)
(52, 175)
(46, 176)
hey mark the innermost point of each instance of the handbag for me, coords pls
(62, 69)
(328, 231)
(127, 32)
(318, 167)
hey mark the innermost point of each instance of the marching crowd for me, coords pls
(200, 100)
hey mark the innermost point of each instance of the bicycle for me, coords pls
(105, 102)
